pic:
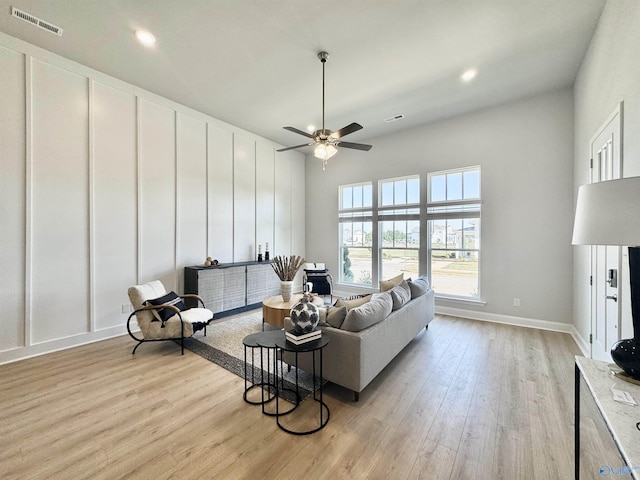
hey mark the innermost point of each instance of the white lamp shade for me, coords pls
(608, 213)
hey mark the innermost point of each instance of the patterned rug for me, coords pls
(223, 346)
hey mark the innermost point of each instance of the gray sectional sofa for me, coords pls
(366, 334)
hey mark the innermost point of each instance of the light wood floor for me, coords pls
(465, 400)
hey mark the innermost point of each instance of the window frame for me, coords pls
(463, 209)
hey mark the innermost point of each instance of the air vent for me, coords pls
(33, 20)
(394, 118)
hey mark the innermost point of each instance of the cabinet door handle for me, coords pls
(613, 297)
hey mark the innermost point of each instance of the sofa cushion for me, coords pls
(353, 302)
(170, 298)
(370, 313)
(419, 286)
(335, 316)
(392, 282)
(400, 294)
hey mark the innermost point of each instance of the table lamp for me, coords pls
(608, 213)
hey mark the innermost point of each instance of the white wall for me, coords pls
(525, 149)
(610, 74)
(105, 185)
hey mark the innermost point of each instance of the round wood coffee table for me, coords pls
(274, 309)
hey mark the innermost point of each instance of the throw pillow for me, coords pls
(372, 312)
(164, 314)
(392, 282)
(336, 315)
(353, 302)
(400, 294)
(419, 286)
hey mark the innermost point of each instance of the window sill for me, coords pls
(466, 301)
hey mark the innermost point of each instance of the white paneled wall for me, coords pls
(191, 232)
(12, 198)
(244, 199)
(220, 161)
(265, 198)
(282, 213)
(114, 216)
(157, 193)
(59, 210)
(104, 185)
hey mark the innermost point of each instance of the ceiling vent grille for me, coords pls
(33, 20)
(394, 118)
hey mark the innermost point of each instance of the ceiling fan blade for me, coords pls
(295, 130)
(297, 146)
(354, 127)
(356, 146)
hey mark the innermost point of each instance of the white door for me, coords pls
(605, 260)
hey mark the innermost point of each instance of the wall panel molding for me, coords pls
(113, 185)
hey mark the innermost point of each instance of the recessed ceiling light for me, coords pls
(311, 128)
(469, 75)
(145, 37)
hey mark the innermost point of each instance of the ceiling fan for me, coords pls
(325, 141)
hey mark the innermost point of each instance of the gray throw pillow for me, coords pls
(400, 294)
(419, 286)
(336, 315)
(372, 312)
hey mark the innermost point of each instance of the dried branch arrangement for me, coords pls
(286, 268)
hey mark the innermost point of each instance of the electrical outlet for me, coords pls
(516, 302)
(126, 308)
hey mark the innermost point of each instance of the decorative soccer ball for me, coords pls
(304, 316)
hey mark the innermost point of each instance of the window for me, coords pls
(356, 233)
(453, 224)
(399, 226)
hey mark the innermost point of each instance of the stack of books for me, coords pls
(296, 339)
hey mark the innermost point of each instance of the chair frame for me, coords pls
(175, 310)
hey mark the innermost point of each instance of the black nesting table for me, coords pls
(313, 347)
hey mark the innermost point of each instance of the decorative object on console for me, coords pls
(304, 316)
(286, 269)
(607, 214)
(266, 252)
(259, 253)
(210, 263)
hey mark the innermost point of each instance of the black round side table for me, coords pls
(251, 342)
(309, 347)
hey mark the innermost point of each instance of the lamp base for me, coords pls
(626, 354)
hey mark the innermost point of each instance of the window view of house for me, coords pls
(399, 220)
(356, 234)
(453, 213)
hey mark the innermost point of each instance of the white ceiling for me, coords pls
(253, 63)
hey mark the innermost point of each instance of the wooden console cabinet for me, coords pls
(232, 287)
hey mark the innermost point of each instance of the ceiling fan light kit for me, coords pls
(325, 141)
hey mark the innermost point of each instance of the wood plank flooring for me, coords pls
(464, 400)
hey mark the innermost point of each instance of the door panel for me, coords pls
(605, 328)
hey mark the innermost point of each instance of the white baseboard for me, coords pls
(22, 353)
(519, 322)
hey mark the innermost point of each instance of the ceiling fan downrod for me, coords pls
(323, 58)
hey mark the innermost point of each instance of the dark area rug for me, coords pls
(223, 346)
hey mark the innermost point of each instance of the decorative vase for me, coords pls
(304, 316)
(285, 290)
(626, 353)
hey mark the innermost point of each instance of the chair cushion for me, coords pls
(170, 298)
(196, 315)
